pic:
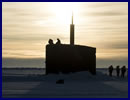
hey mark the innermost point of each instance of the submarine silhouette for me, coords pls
(67, 58)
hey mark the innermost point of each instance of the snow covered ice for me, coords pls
(33, 84)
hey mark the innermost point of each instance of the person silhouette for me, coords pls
(123, 70)
(110, 70)
(50, 41)
(118, 70)
(58, 41)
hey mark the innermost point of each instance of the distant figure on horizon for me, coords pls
(110, 70)
(123, 70)
(58, 41)
(118, 70)
(50, 41)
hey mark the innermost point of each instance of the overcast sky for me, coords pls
(26, 27)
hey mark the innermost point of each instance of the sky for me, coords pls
(27, 27)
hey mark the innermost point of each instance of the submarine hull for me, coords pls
(70, 58)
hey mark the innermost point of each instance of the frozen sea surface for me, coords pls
(33, 83)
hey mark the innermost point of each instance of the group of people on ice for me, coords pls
(119, 71)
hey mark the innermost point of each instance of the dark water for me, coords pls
(21, 72)
(40, 62)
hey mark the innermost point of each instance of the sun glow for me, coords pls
(63, 11)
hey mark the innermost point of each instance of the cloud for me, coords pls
(119, 45)
(107, 4)
(103, 25)
(24, 53)
(107, 13)
(32, 37)
(106, 9)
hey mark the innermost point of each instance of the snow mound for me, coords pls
(83, 76)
